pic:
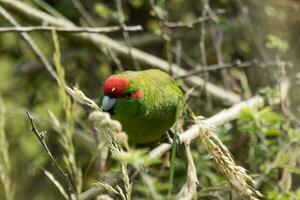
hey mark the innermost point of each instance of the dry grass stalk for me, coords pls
(117, 140)
(80, 97)
(5, 165)
(189, 190)
(104, 197)
(106, 187)
(111, 129)
(127, 184)
(236, 176)
(67, 137)
(56, 183)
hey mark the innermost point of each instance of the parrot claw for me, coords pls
(167, 138)
(170, 134)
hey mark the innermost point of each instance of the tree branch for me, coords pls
(191, 23)
(71, 29)
(236, 63)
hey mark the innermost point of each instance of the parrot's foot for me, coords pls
(170, 136)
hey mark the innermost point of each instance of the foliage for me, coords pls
(271, 150)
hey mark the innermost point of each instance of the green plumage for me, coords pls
(147, 119)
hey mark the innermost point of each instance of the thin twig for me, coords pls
(193, 22)
(217, 39)
(84, 13)
(162, 15)
(7, 185)
(29, 66)
(146, 38)
(202, 45)
(126, 34)
(94, 191)
(71, 29)
(91, 22)
(184, 24)
(41, 138)
(236, 63)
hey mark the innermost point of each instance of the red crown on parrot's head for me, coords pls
(115, 86)
(118, 87)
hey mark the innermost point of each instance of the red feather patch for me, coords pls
(115, 86)
(137, 95)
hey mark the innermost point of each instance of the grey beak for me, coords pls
(108, 103)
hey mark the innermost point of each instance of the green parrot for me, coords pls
(146, 103)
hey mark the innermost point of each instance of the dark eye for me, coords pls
(128, 94)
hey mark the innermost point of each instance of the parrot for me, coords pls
(147, 103)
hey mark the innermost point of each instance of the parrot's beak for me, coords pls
(108, 103)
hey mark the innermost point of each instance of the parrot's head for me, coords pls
(122, 96)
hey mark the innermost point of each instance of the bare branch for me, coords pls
(191, 23)
(203, 54)
(236, 63)
(41, 138)
(84, 13)
(125, 33)
(71, 29)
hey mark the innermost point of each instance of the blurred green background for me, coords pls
(266, 142)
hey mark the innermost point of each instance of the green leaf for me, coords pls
(268, 116)
(275, 42)
(270, 132)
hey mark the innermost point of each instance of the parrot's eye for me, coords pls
(128, 94)
(133, 94)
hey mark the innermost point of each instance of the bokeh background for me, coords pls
(263, 35)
